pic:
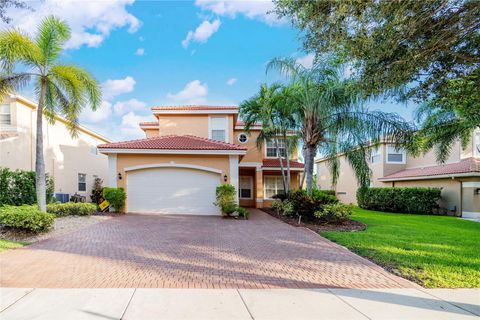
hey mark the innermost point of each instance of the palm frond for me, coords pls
(51, 36)
(16, 47)
(12, 82)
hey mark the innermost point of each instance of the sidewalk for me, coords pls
(275, 304)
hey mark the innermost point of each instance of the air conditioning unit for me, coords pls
(62, 197)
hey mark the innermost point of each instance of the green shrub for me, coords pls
(334, 213)
(26, 217)
(401, 200)
(306, 206)
(225, 199)
(71, 209)
(328, 191)
(116, 197)
(242, 212)
(277, 206)
(18, 187)
(287, 208)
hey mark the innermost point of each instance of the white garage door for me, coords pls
(172, 191)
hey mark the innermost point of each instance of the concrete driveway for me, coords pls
(151, 251)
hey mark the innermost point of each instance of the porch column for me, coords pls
(112, 170)
(234, 174)
(259, 188)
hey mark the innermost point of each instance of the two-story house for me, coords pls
(459, 176)
(73, 162)
(187, 153)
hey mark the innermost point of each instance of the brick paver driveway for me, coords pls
(191, 252)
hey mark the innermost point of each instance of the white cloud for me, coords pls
(103, 112)
(140, 52)
(203, 32)
(90, 21)
(231, 81)
(194, 92)
(253, 9)
(130, 128)
(112, 88)
(123, 107)
(306, 61)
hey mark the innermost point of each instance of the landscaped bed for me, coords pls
(434, 251)
(7, 244)
(349, 225)
(61, 226)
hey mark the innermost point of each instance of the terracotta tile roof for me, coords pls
(173, 142)
(195, 107)
(275, 163)
(149, 123)
(470, 165)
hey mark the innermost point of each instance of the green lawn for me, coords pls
(6, 244)
(435, 251)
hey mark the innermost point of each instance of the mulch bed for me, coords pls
(347, 226)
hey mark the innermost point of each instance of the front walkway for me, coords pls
(278, 304)
(154, 251)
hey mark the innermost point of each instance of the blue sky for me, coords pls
(147, 53)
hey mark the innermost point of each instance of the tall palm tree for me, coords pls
(333, 119)
(63, 89)
(269, 108)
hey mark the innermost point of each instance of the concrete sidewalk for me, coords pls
(275, 304)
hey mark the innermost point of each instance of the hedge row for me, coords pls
(18, 187)
(400, 200)
(72, 209)
(26, 217)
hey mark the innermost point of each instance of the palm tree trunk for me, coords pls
(309, 156)
(287, 150)
(40, 183)
(281, 164)
(304, 172)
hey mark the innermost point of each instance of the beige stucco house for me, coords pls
(73, 162)
(186, 154)
(459, 177)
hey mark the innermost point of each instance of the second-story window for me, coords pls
(5, 115)
(477, 145)
(376, 155)
(395, 154)
(272, 150)
(218, 128)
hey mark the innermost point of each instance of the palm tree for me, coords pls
(270, 108)
(63, 89)
(333, 119)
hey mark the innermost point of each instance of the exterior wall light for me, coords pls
(119, 176)
(225, 178)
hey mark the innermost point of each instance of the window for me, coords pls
(246, 187)
(242, 138)
(376, 155)
(395, 155)
(273, 186)
(272, 151)
(82, 182)
(5, 115)
(218, 128)
(477, 144)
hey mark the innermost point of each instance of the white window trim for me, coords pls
(227, 135)
(250, 178)
(376, 152)
(270, 157)
(78, 182)
(265, 186)
(238, 137)
(9, 114)
(404, 156)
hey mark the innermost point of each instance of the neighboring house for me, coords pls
(73, 162)
(459, 177)
(190, 151)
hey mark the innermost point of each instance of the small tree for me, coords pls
(225, 199)
(97, 190)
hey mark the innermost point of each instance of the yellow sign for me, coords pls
(104, 205)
